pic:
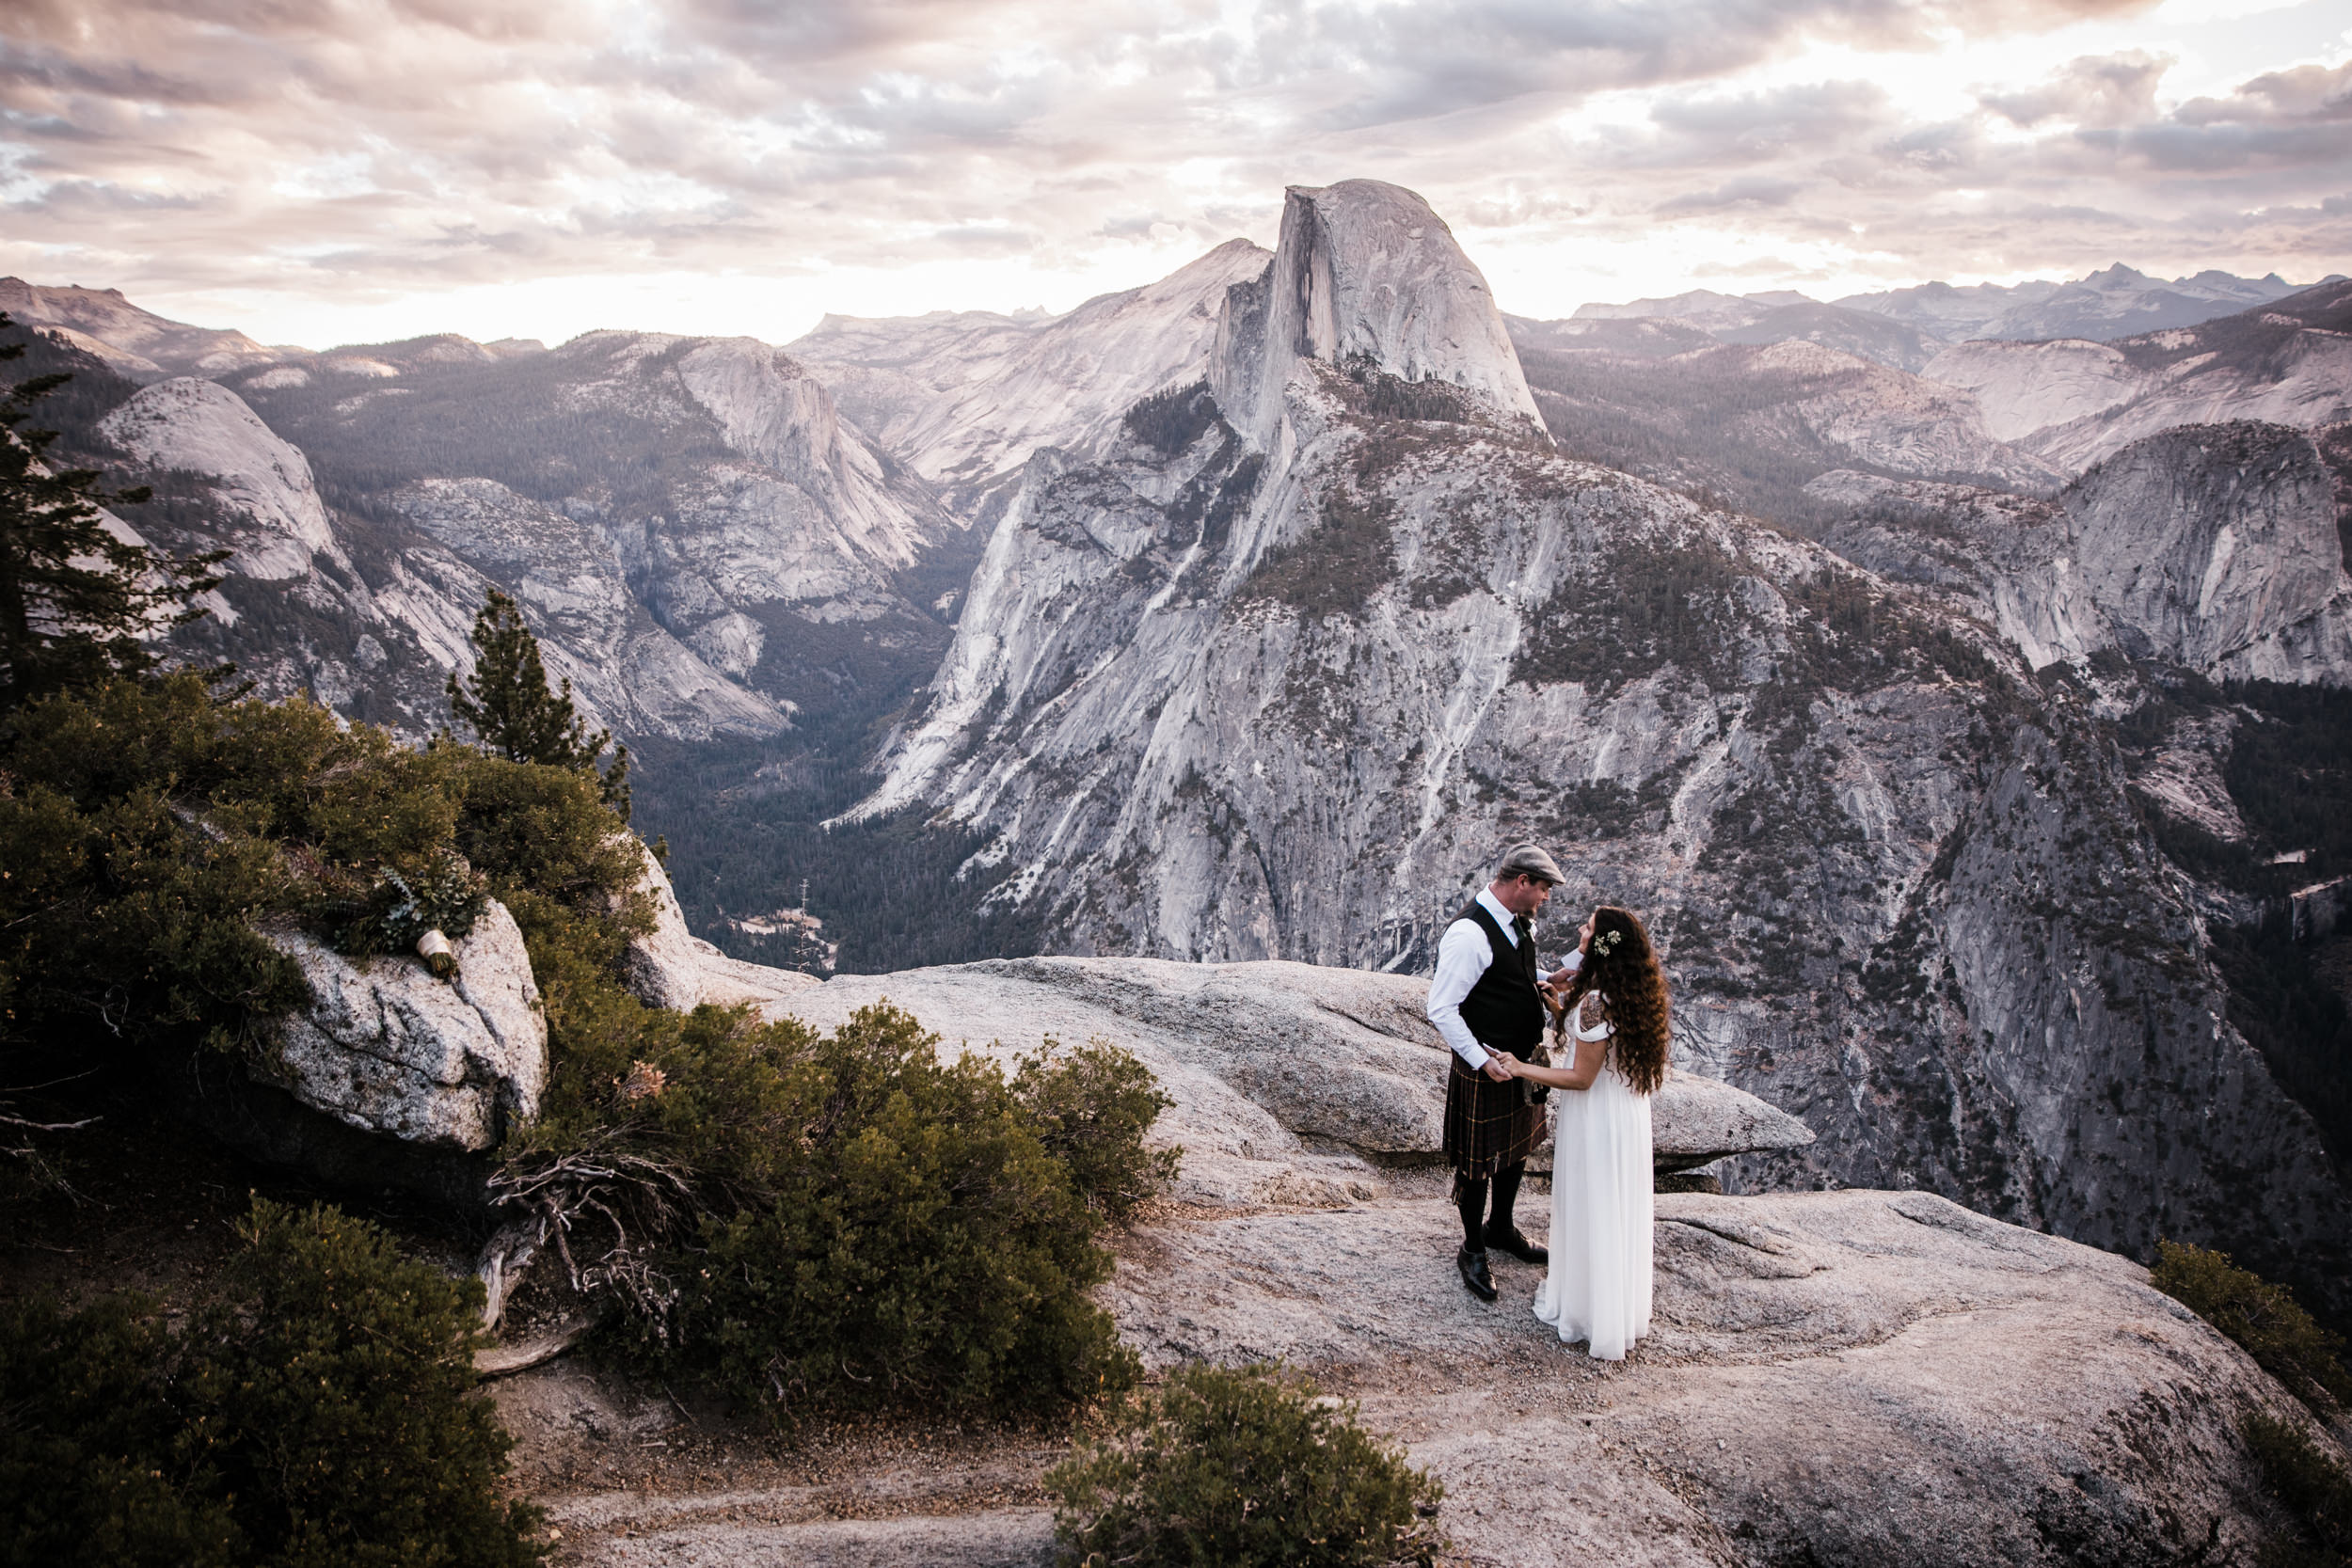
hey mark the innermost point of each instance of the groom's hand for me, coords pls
(1495, 1070)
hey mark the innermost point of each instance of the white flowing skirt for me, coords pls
(1597, 1288)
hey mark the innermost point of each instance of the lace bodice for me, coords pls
(1600, 1031)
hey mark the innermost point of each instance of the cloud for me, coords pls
(2111, 89)
(2305, 93)
(365, 150)
(1734, 193)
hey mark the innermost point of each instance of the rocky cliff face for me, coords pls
(689, 521)
(2073, 402)
(2215, 548)
(201, 427)
(1366, 278)
(1275, 682)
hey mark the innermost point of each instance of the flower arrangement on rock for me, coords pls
(424, 911)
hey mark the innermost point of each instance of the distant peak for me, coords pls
(1365, 272)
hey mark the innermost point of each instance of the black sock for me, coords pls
(1471, 1198)
(1506, 1195)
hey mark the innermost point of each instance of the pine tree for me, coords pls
(74, 599)
(508, 703)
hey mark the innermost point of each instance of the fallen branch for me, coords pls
(506, 1360)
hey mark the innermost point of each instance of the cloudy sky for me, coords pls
(318, 171)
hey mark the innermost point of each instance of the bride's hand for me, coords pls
(1507, 1065)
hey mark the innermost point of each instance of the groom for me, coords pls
(1484, 1001)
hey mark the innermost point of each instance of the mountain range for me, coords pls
(1964, 728)
(1904, 328)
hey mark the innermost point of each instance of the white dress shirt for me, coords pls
(1463, 955)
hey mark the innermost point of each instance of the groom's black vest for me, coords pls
(1504, 1010)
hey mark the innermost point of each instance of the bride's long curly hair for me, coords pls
(1625, 971)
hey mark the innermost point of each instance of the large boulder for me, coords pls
(386, 1048)
(1695, 1121)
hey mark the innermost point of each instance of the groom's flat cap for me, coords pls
(1529, 860)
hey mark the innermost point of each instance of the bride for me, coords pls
(1597, 1288)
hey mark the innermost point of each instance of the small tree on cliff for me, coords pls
(74, 599)
(508, 703)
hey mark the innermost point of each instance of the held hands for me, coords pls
(1498, 1067)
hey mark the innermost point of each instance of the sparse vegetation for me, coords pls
(1369, 390)
(2264, 1320)
(1337, 565)
(2313, 1486)
(1639, 608)
(1169, 421)
(1244, 1468)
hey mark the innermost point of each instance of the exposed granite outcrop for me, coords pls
(388, 1048)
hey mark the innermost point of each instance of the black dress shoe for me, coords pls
(1517, 1246)
(1474, 1275)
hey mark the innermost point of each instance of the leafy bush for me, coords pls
(2263, 1318)
(840, 1220)
(319, 1411)
(151, 829)
(816, 1220)
(2313, 1486)
(1238, 1468)
(1092, 1108)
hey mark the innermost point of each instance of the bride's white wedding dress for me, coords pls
(1597, 1288)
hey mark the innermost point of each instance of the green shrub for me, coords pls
(2263, 1318)
(151, 829)
(2313, 1486)
(1093, 1107)
(1239, 1468)
(320, 1410)
(839, 1220)
(446, 896)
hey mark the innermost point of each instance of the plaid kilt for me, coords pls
(1488, 1126)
